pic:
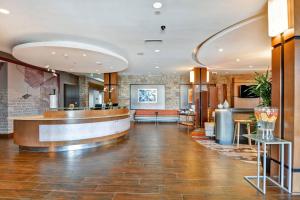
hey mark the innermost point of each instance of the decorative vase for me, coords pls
(226, 104)
(266, 118)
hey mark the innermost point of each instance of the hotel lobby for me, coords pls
(139, 99)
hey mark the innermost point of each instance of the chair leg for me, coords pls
(234, 133)
(238, 134)
(249, 133)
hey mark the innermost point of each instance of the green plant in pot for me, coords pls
(262, 89)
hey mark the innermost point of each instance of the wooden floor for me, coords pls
(153, 163)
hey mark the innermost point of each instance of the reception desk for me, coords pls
(69, 130)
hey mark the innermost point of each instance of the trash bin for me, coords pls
(224, 126)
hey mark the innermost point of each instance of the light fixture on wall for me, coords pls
(277, 17)
(105, 89)
(192, 76)
(207, 76)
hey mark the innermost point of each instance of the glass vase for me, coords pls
(266, 118)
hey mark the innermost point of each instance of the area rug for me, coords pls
(244, 153)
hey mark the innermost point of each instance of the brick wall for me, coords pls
(83, 91)
(3, 99)
(171, 81)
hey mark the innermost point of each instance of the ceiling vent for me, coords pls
(153, 41)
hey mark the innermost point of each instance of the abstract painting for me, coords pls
(147, 95)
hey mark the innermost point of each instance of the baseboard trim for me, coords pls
(6, 136)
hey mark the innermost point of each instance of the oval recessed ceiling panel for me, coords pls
(70, 56)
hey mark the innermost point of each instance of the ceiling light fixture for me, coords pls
(4, 11)
(237, 60)
(156, 50)
(157, 5)
(156, 67)
(250, 66)
(98, 63)
(53, 52)
(221, 50)
(84, 55)
(66, 55)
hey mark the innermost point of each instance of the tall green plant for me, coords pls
(262, 88)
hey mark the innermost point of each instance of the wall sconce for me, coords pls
(277, 17)
(192, 76)
(207, 76)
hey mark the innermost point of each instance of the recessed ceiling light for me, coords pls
(4, 11)
(226, 72)
(221, 50)
(71, 69)
(250, 66)
(156, 67)
(84, 55)
(97, 70)
(237, 60)
(66, 55)
(156, 50)
(98, 63)
(53, 52)
(157, 5)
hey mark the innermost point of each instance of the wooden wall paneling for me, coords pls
(201, 104)
(204, 107)
(289, 90)
(224, 88)
(196, 95)
(276, 100)
(111, 81)
(213, 97)
(296, 134)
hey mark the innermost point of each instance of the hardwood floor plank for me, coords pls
(160, 162)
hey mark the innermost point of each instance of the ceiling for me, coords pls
(244, 48)
(122, 26)
(70, 56)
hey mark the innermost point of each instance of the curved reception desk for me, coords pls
(70, 130)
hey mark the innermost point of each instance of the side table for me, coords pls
(264, 142)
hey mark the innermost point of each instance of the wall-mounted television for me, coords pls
(245, 92)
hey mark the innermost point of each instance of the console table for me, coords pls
(188, 122)
(264, 177)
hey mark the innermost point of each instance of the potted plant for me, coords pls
(262, 89)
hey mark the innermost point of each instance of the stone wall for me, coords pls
(171, 81)
(83, 91)
(3, 99)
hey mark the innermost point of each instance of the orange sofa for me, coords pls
(156, 115)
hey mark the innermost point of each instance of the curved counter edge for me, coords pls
(62, 134)
(104, 141)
